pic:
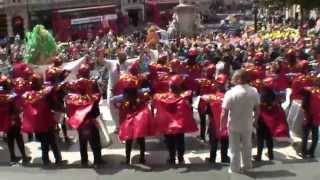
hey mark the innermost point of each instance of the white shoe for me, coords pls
(233, 172)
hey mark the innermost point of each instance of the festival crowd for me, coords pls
(238, 84)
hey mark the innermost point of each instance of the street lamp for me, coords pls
(255, 12)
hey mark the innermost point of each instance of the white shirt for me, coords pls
(240, 101)
(115, 69)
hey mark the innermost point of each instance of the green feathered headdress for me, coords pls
(40, 46)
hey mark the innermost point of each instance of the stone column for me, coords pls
(9, 24)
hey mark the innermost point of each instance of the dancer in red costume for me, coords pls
(20, 69)
(55, 76)
(38, 118)
(174, 117)
(82, 111)
(310, 105)
(216, 136)
(10, 123)
(135, 115)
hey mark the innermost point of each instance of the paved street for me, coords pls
(287, 165)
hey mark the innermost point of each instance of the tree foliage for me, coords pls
(306, 4)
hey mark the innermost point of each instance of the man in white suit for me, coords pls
(239, 105)
(115, 69)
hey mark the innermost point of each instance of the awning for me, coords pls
(86, 9)
(149, 2)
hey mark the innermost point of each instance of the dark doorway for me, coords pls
(18, 26)
(133, 17)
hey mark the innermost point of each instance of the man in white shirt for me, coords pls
(239, 105)
(115, 69)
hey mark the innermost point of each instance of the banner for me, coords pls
(73, 67)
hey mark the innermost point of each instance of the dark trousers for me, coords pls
(175, 144)
(203, 125)
(142, 145)
(315, 136)
(48, 140)
(91, 135)
(64, 128)
(14, 135)
(264, 135)
(214, 147)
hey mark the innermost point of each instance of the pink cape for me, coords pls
(275, 119)
(37, 115)
(137, 124)
(173, 114)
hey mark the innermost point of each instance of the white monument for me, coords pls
(186, 19)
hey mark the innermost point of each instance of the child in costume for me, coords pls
(174, 117)
(10, 121)
(135, 115)
(82, 110)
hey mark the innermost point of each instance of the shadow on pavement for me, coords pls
(262, 163)
(270, 174)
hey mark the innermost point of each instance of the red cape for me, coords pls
(314, 106)
(299, 83)
(160, 83)
(194, 72)
(279, 83)
(78, 107)
(21, 69)
(5, 108)
(37, 115)
(215, 103)
(136, 124)
(274, 118)
(173, 114)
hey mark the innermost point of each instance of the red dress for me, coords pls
(173, 114)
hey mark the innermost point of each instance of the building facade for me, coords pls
(21, 15)
(74, 17)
